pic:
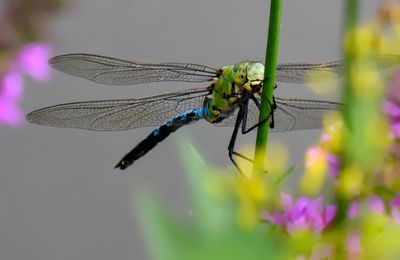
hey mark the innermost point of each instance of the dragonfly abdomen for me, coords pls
(159, 134)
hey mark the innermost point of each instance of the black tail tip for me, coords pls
(123, 164)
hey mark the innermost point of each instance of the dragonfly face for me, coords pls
(255, 73)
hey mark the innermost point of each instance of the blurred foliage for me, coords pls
(347, 205)
(212, 231)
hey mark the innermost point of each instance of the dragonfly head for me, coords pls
(255, 73)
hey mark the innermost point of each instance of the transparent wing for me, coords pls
(123, 114)
(320, 72)
(290, 114)
(306, 72)
(112, 71)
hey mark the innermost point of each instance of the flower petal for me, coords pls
(353, 209)
(12, 86)
(10, 114)
(376, 205)
(33, 60)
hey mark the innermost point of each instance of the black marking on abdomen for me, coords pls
(159, 134)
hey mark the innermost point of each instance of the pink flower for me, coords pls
(33, 59)
(353, 209)
(376, 205)
(395, 209)
(333, 162)
(391, 108)
(391, 105)
(12, 86)
(10, 113)
(303, 215)
(10, 92)
(353, 245)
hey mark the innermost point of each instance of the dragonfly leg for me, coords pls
(231, 145)
(243, 115)
(272, 107)
(241, 118)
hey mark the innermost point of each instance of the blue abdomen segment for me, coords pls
(159, 134)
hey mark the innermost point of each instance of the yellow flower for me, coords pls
(351, 181)
(314, 176)
(331, 139)
(252, 193)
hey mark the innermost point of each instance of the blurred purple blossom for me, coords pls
(10, 92)
(12, 86)
(353, 209)
(303, 215)
(391, 105)
(395, 209)
(31, 60)
(333, 163)
(353, 245)
(10, 113)
(376, 205)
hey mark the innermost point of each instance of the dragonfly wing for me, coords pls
(112, 71)
(290, 114)
(123, 114)
(299, 114)
(323, 72)
(309, 72)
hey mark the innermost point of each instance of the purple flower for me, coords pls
(376, 205)
(353, 245)
(12, 86)
(391, 108)
(391, 105)
(10, 113)
(303, 215)
(10, 92)
(333, 162)
(33, 59)
(353, 209)
(395, 209)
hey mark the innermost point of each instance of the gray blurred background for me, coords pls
(60, 197)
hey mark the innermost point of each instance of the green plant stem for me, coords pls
(271, 60)
(351, 21)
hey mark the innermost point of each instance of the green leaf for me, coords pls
(215, 233)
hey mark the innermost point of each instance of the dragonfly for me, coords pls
(231, 97)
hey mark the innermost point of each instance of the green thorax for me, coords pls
(234, 82)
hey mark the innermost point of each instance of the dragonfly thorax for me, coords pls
(244, 72)
(235, 82)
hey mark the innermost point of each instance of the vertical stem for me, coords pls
(350, 24)
(351, 21)
(271, 60)
(348, 98)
